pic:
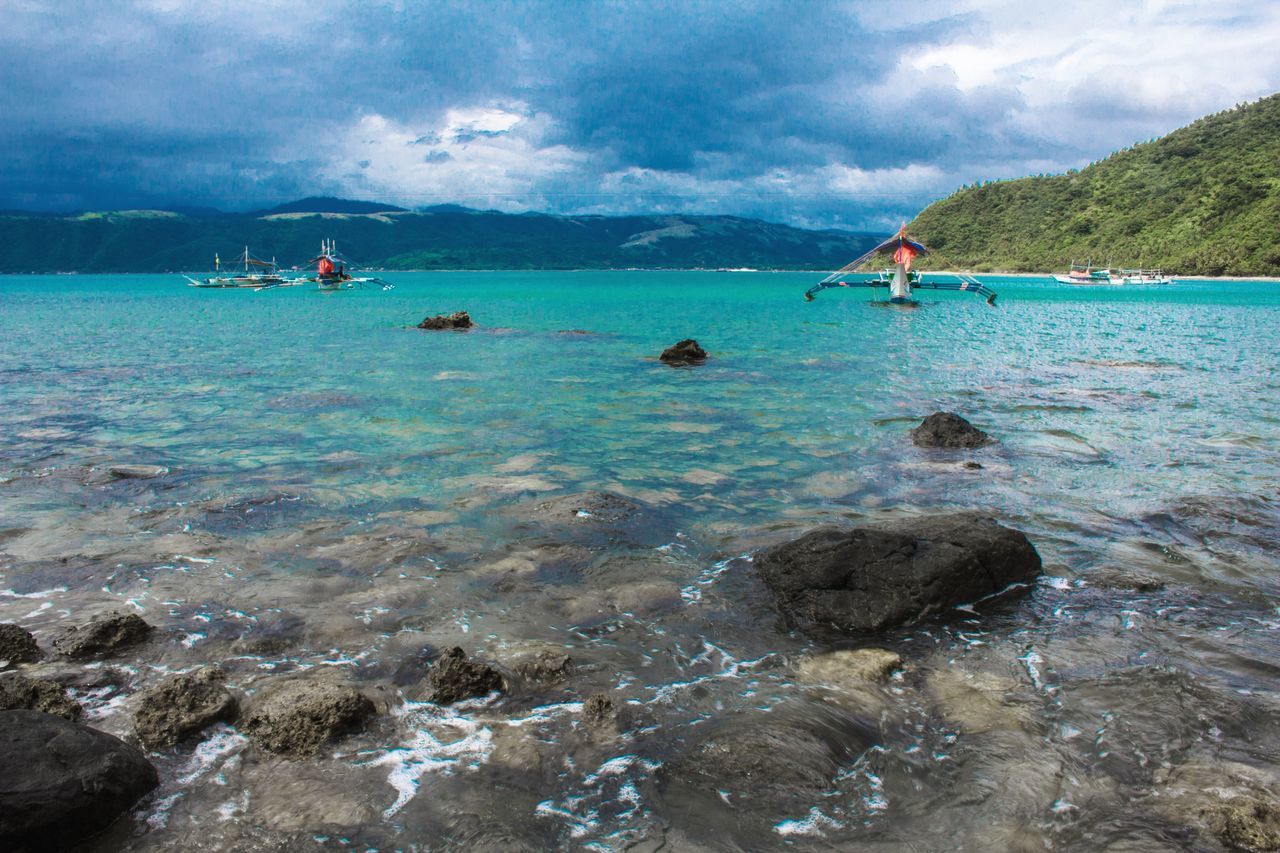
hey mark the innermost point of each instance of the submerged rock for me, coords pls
(947, 429)
(17, 645)
(454, 677)
(182, 706)
(63, 782)
(596, 519)
(104, 635)
(599, 711)
(544, 667)
(136, 472)
(456, 320)
(683, 353)
(1236, 803)
(871, 578)
(296, 717)
(19, 693)
(850, 667)
(1124, 579)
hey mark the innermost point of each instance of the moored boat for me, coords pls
(1086, 273)
(332, 272)
(256, 274)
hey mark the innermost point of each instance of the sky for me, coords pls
(819, 114)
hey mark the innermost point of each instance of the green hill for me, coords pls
(446, 237)
(1203, 200)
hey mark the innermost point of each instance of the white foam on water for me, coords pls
(692, 594)
(1058, 583)
(204, 560)
(189, 640)
(432, 749)
(43, 607)
(44, 593)
(159, 817)
(811, 824)
(224, 743)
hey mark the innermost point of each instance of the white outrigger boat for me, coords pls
(257, 274)
(1086, 274)
(331, 273)
(900, 279)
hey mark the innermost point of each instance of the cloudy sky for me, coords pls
(844, 114)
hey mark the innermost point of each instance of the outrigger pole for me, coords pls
(903, 279)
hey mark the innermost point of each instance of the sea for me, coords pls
(339, 494)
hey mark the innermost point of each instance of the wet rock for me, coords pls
(17, 692)
(596, 520)
(1236, 803)
(455, 677)
(686, 352)
(183, 706)
(456, 320)
(1124, 579)
(1245, 823)
(970, 465)
(136, 472)
(297, 716)
(63, 782)
(599, 712)
(544, 667)
(17, 646)
(867, 579)
(850, 667)
(978, 702)
(947, 429)
(646, 598)
(272, 634)
(104, 635)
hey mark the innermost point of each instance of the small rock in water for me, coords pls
(455, 677)
(1124, 579)
(947, 429)
(599, 712)
(971, 465)
(978, 702)
(103, 636)
(182, 706)
(545, 667)
(17, 645)
(63, 782)
(851, 666)
(1245, 823)
(866, 579)
(136, 472)
(456, 320)
(17, 692)
(298, 716)
(685, 352)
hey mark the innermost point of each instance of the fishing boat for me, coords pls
(333, 272)
(1086, 273)
(1140, 276)
(256, 274)
(900, 279)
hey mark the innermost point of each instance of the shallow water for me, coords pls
(344, 491)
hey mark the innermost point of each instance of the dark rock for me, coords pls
(17, 692)
(63, 782)
(1245, 823)
(545, 667)
(972, 466)
(456, 320)
(17, 646)
(947, 429)
(1124, 579)
(600, 519)
(599, 711)
(272, 634)
(297, 716)
(182, 706)
(455, 677)
(683, 353)
(871, 578)
(136, 472)
(103, 636)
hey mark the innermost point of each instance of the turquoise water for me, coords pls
(329, 462)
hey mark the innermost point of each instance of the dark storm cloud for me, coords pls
(818, 112)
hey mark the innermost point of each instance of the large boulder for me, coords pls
(866, 579)
(17, 645)
(947, 429)
(454, 677)
(104, 635)
(17, 692)
(182, 706)
(298, 716)
(441, 322)
(684, 353)
(62, 782)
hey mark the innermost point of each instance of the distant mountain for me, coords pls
(328, 204)
(444, 237)
(1203, 200)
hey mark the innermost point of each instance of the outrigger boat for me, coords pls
(331, 272)
(257, 274)
(1086, 274)
(900, 279)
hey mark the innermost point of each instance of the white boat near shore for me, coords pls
(1088, 274)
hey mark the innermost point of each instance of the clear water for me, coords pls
(366, 485)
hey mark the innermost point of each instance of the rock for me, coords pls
(978, 702)
(17, 692)
(593, 520)
(17, 646)
(1245, 823)
(63, 782)
(136, 472)
(684, 353)
(1237, 803)
(456, 320)
(850, 667)
(455, 677)
(1124, 579)
(599, 712)
(545, 667)
(867, 579)
(947, 429)
(297, 716)
(182, 706)
(970, 465)
(103, 636)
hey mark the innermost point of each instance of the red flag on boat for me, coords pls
(905, 252)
